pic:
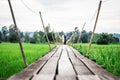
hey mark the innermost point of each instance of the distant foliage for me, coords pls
(9, 34)
(107, 38)
(0, 36)
(12, 34)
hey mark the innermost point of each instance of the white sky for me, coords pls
(62, 15)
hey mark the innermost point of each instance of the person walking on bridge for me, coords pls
(64, 40)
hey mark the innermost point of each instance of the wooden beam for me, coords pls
(94, 28)
(18, 34)
(44, 30)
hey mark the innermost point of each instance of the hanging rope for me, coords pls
(28, 7)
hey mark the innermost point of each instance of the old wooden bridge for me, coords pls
(64, 63)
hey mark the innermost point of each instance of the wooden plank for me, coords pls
(96, 69)
(88, 77)
(27, 73)
(65, 67)
(58, 52)
(49, 68)
(49, 55)
(80, 68)
(65, 77)
(44, 77)
(70, 53)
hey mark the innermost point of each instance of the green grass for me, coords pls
(107, 56)
(11, 60)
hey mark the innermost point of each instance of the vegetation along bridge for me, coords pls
(64, 63)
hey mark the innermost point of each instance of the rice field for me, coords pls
(11, 60)
(108, 56)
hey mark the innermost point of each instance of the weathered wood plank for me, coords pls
(58, 52)
(88, 77)
(50, 66)
(27, 73)
(65, 67)
(70, 53)
(66, 77)
(49, 55)
(44, 77)
(80, 68)
(96, 69)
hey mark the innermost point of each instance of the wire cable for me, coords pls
(105, 1)
(28, 7)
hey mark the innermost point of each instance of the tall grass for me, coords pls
(11, 60)
(107, 56)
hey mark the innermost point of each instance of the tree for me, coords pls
(76, 34)
(48, 28)
(0, 36)
(107, 38)
(27, 38)
(33, 39)
(37, 37)
(42, 37)
(96, 37)
(84, 37)
(50, 37)
(4, 32)
(12, 34)
(116, 40)
(103, 39)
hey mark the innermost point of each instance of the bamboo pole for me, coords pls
(18, 34)
(53, 37)
(45, 30)
(81, 33)
(94, 27)
(71, 38)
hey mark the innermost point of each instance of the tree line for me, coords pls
(8, 34)
(99, 38)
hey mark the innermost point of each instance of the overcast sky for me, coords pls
(62, 15)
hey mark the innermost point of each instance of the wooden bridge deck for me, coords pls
(64, 63)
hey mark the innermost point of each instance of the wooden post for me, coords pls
(45, 30)
(81, 33)
(53, 37)
(71, 38)
(18, 34)
(94, 28)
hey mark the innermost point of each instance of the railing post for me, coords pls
(45, 30)
(94, 28)
(18, 34)
(81, 33)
